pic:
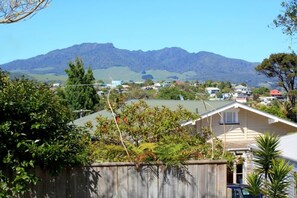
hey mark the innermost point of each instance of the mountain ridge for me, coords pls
(103, 56)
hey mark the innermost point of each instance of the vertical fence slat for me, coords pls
(192, 186)
(221, 180)
(211, 187)
(122, 181)
(153, 181)
(200, 179)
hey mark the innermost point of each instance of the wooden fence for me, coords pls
(199, 179)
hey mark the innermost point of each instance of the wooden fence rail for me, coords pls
(199, 179)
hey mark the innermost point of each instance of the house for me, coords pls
(276, 93)
(115, 83)
(242, 89)
(241, 98)
(234, 123)
(180, 83)
(166, 84)
(237, 125)
(211, 91)
(157, 86)
(267, 100)
(56, 85)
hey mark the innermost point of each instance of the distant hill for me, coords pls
(202, 65)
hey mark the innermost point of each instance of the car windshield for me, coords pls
(245, 193)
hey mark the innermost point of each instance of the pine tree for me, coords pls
(79, 91)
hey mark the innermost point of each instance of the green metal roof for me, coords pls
(196, 106)
(92, 118)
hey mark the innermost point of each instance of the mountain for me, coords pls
(202, 65)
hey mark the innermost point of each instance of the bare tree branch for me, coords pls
(12, 11)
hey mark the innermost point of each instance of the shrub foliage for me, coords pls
(34, 132)
(151, 134)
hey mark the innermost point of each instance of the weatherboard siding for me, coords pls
(260, 123)
(250, 126)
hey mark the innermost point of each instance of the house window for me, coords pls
(239, 173)
(230, 117)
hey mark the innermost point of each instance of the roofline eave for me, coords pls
(237, 105)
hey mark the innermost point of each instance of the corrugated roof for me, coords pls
(91, 118)
(196, 106)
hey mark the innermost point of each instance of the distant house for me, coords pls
(126, 87)
(211, 91)
(241, 98)
(195, 84)
(56, 85)
(276, 93)
(242, 89)
(180, 83)
(115, 83)
(139, 82)
(157, 86)
(166, 83)
(267, 100)
(226, 96)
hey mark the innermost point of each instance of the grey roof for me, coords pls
(196, 106)
(91, 118)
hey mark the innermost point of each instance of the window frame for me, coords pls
(230, 117)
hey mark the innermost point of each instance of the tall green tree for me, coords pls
(35, 132)
(79, 91)
(282, 67)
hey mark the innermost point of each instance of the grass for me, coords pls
(49, 77)
(125, 74)
(118, 73)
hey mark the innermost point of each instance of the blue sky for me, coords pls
(232, 28)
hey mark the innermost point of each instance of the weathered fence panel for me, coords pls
(197, 179)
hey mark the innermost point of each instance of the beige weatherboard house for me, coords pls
(237, 125)
(234, 123)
